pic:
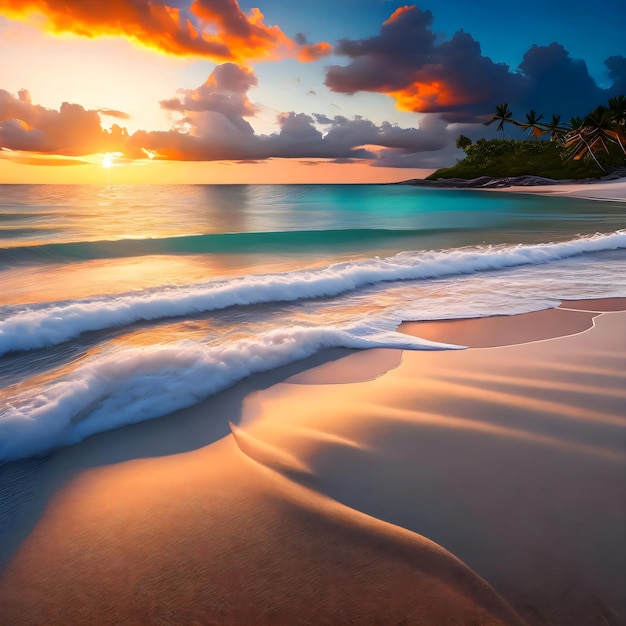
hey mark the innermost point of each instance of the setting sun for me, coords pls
(108, 160)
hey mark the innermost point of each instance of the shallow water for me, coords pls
(121, 304)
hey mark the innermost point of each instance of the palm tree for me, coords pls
(554, 128)
(532, 123)
(463, 142)
(597, 133)
(617, 106)
(502, 115)
(604, 128)
(575, 123)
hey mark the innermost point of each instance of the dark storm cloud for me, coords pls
(405, 61)
(554, 81)
(455, 79)
(617, 73)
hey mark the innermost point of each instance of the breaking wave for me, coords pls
(133, 385)
(48, 325)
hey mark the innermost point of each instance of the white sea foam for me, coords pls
(140, 384)
(50, 325)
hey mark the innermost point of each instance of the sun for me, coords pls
(108, 160)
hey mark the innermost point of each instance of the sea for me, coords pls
(123, 304)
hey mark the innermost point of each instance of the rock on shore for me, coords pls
(491, 182)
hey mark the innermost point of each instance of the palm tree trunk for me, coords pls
(593, 156)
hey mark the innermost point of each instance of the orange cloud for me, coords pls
(430, 96)
(113, 113)
(314, 51)
(397, 14)
(214, 29)
(70, 131)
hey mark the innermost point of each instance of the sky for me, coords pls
(277, 91)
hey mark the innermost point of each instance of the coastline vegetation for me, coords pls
(588, 147)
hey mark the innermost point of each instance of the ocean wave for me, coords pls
(136, 384)
(217, 243)
(54, 324)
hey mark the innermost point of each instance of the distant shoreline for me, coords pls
(609, 188)
(494, 182)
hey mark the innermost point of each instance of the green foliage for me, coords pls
(601, 137)
(585, 148)
(509, 157)
(503, 115)
(463, 142)
(533, 125)
(617, 106)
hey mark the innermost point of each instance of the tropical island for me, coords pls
(584, 149)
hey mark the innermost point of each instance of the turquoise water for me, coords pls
(123, 304)
(46, 214)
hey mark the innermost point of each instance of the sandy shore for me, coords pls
(591, 189)
(483, 486)
(602, 190)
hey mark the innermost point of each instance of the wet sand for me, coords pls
(481, 486)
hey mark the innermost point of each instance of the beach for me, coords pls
(463, 464)
(597, 190)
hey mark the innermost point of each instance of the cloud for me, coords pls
(617, 73)
(363, 132)
(224, 92)
(213, 29)
(453, 78)
(356, 138)
(71, 131)
(405, 62)
(113, 113)
(314, 51)
(212, 137)
(311, 51)
(323, 119)
(553, 80)
(211, 123)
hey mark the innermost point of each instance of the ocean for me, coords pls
(121, 304)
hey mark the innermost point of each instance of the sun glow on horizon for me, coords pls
(108, 160)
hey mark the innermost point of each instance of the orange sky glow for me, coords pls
(79, 48)
(219, 91)
(145, 171)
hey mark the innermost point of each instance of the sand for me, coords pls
(600, 190)
(470, 487)
(483, 486)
